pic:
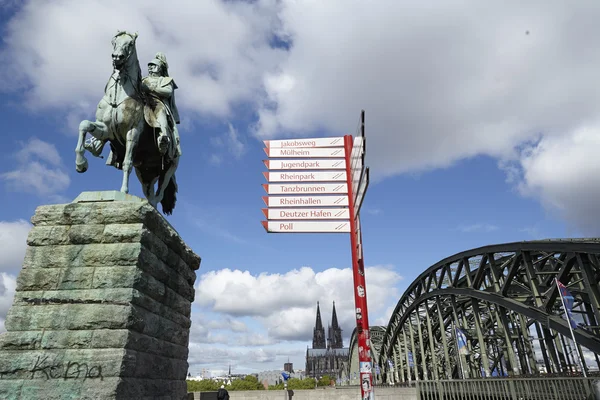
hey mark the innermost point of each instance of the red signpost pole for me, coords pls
(360, 288)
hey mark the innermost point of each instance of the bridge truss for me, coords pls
(505, 300)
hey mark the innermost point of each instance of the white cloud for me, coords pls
(562, 172)
(39, 170)
(39, 149)
(438, 85)
(254, 340)
(216, 50)
(253, 322)
(230, 142)
(285, 304)
(241, 360)
(8, 284)
(13, 243)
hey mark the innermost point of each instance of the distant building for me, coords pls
(288, 367)
(327, 356)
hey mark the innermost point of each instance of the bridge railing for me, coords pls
(572, 388)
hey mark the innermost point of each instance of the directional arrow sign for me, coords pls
(306, 188)
(318, 142)
(306, 213)
(305, 201)
(360, 193)
(326, 176)
(306, 226)
(337, 152)
(305, 164)
(357, 161)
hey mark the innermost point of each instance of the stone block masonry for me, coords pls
(102, 306)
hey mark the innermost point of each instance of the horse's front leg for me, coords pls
(133, 137)
(81, 163)
(98, 130)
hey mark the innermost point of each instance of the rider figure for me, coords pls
(163, 114)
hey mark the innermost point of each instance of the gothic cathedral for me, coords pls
(326, 358)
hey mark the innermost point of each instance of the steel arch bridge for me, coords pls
(502, 302)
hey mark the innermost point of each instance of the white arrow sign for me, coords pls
(306, 188)
(318, 142)
(305, 201)
(337, 152)
(306, 226)
(357, 161)
(305, 164)
(306, 213)
(360, 193)
(327, 176)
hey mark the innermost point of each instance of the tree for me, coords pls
(324, 381)
(205, 385)
(245, 384)
(295, 384)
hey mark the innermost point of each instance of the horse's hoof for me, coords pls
(82, 167)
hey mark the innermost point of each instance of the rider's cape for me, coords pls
(170, 105)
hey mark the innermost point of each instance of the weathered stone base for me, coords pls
(102, 306)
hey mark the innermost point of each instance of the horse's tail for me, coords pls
(170, 196)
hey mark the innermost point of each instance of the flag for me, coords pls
(411, 362)
(568, 300)
(461, 338)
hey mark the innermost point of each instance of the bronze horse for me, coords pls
(120, 121)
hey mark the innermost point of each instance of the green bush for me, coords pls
(324, 381)
(295, 384)
(205, 385)
(250, 382)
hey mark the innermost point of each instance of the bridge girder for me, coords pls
(505, 300)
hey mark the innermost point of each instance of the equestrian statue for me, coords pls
(138, 118)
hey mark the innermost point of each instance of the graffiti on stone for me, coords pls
(44, 368)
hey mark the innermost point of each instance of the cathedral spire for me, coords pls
(335, 333)
(319, 332)
(334, 321)
(318, 323)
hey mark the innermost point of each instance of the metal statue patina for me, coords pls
(138, 118)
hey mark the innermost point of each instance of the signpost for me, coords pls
(321, 190)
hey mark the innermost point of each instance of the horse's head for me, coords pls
(123, 48)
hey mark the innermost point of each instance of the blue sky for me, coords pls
(477, 133)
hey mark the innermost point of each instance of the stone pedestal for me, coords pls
(102, 306)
